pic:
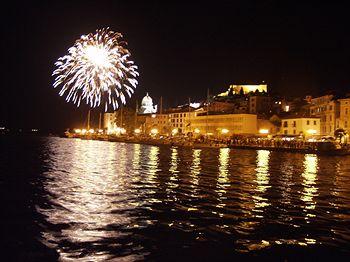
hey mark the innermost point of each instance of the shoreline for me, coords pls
(216, 145)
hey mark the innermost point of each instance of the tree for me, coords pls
(339, 133)
(275, 120)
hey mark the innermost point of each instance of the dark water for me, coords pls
(82, 200)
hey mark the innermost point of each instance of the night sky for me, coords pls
(181, 49)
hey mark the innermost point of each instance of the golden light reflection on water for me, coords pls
(136, 157)
(87, 199)
(174, 159)
(262, 181)
(223, 180)
(224, 157)
(150, 180)
(255, 210)
(339, 188)
(195, 170)
(104, 198)
(286, 181)
(309, 183)
(153, 162)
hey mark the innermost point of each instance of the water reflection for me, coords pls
(256, 208)
(223, 180)
(309, 183)
(195, 170)
(340, 189)
(104, 201)
(174, 159)
(88, 195)
(136, 158)
(286, 181)
(152, 164)
(262, 181)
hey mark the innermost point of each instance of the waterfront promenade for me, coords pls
(277, 144)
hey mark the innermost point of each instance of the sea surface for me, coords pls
(80, 200)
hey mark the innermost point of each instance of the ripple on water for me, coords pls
(100, 200)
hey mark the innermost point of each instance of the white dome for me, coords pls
(147, 106)
(147, 101)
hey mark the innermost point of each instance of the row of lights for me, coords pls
(116, 131)
(154, 131)
(85, 131)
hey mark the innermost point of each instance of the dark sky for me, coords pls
(181, 48)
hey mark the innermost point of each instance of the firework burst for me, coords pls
(97, 70)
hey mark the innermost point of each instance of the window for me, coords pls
(330, 118)
(346, 124)
(314, 122)
(308, 122)
(330, 107)
(294, 123)
(286, 132)
(294, 131)
(285, 124)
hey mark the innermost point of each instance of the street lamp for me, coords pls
(154, 131)
(263, 131)
(224, 131)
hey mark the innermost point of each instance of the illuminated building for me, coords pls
(181, 121)
(245, 89)
(217, 106)
(240, 99)
(110, 121)
(227, 124)
(159, 122)
(306, 126)
(184, 121)
(327, 109)
(344, 114)
(259, 104)
(280, 105)
(147, 106)
(265, 127)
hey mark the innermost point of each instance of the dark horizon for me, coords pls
(181, 49)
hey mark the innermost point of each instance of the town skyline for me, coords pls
(181, 50)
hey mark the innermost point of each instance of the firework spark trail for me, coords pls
(97, 69)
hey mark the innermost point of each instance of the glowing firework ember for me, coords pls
(97, 69)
